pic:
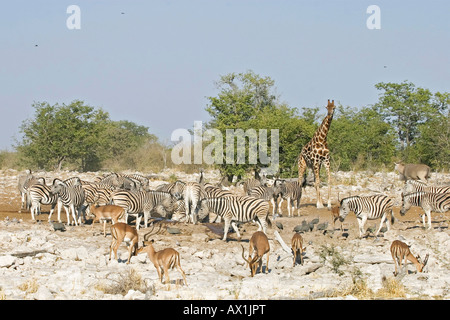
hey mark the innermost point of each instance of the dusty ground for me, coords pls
(214, 268)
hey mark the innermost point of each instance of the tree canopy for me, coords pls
(407, 123)
(76, 134)
(401, 125)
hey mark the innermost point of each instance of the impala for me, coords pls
(260, 244)
(107, 213)
(123, 232)
(400, 251)
(163, 260)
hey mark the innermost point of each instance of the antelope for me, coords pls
(105, 213)
(260, 244)
(413, 171)
(400, 251)
(123, 232)
(297, 247)
(163, 260)
(335, 215)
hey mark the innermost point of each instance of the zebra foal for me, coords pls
(436, 202)
(368, 208)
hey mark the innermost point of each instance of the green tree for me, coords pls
(61, 133)
(240, 99)
(360, 139)
(248, 101)
(406, 108)
(433, 143)
(79, 136)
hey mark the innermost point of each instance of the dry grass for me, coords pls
(392, 288)
(29, 286)
(129, 280)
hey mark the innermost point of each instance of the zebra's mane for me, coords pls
(349, 198)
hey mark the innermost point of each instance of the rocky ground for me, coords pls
(37, 262)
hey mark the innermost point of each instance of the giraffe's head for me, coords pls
(330, 107)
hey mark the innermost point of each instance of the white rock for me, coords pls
(7, 261)
(134, 295)
(43, 294)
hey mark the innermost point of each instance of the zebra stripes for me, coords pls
(419, 186)
(122, 181)
(237, 209)
(436, 202)
(175, 188)
(192, 193)
(40, 194)
(368, 208)
(249, 184)
(23, 183)
(136, 202)
(71, 196)
(267, 194)
(97, 193)
(290, 191)
(144, 182)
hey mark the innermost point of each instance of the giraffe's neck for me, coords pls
(320, 135)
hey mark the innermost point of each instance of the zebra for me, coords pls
(103, 195)
(25, 188)
(436, 202)
(38, 194)
(192, 193)
(71, 196)
(368, 208)
(175, 188)
(97, 193)
(136, 202)
(23, 183)
(290, 191)
(143, 181)
(249, 184)
(215, 192)
(417, 186)
(237, 209)
(120, 181)
(267, 194)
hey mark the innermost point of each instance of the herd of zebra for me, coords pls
(188, 201)
(198, 201)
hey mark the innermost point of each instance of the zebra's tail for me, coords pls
(269, 223)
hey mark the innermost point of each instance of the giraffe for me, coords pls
(316, 152)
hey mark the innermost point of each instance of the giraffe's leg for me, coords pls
(327, 167)
(301, 168)
(317, 184)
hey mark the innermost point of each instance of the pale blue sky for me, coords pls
(156, 63)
